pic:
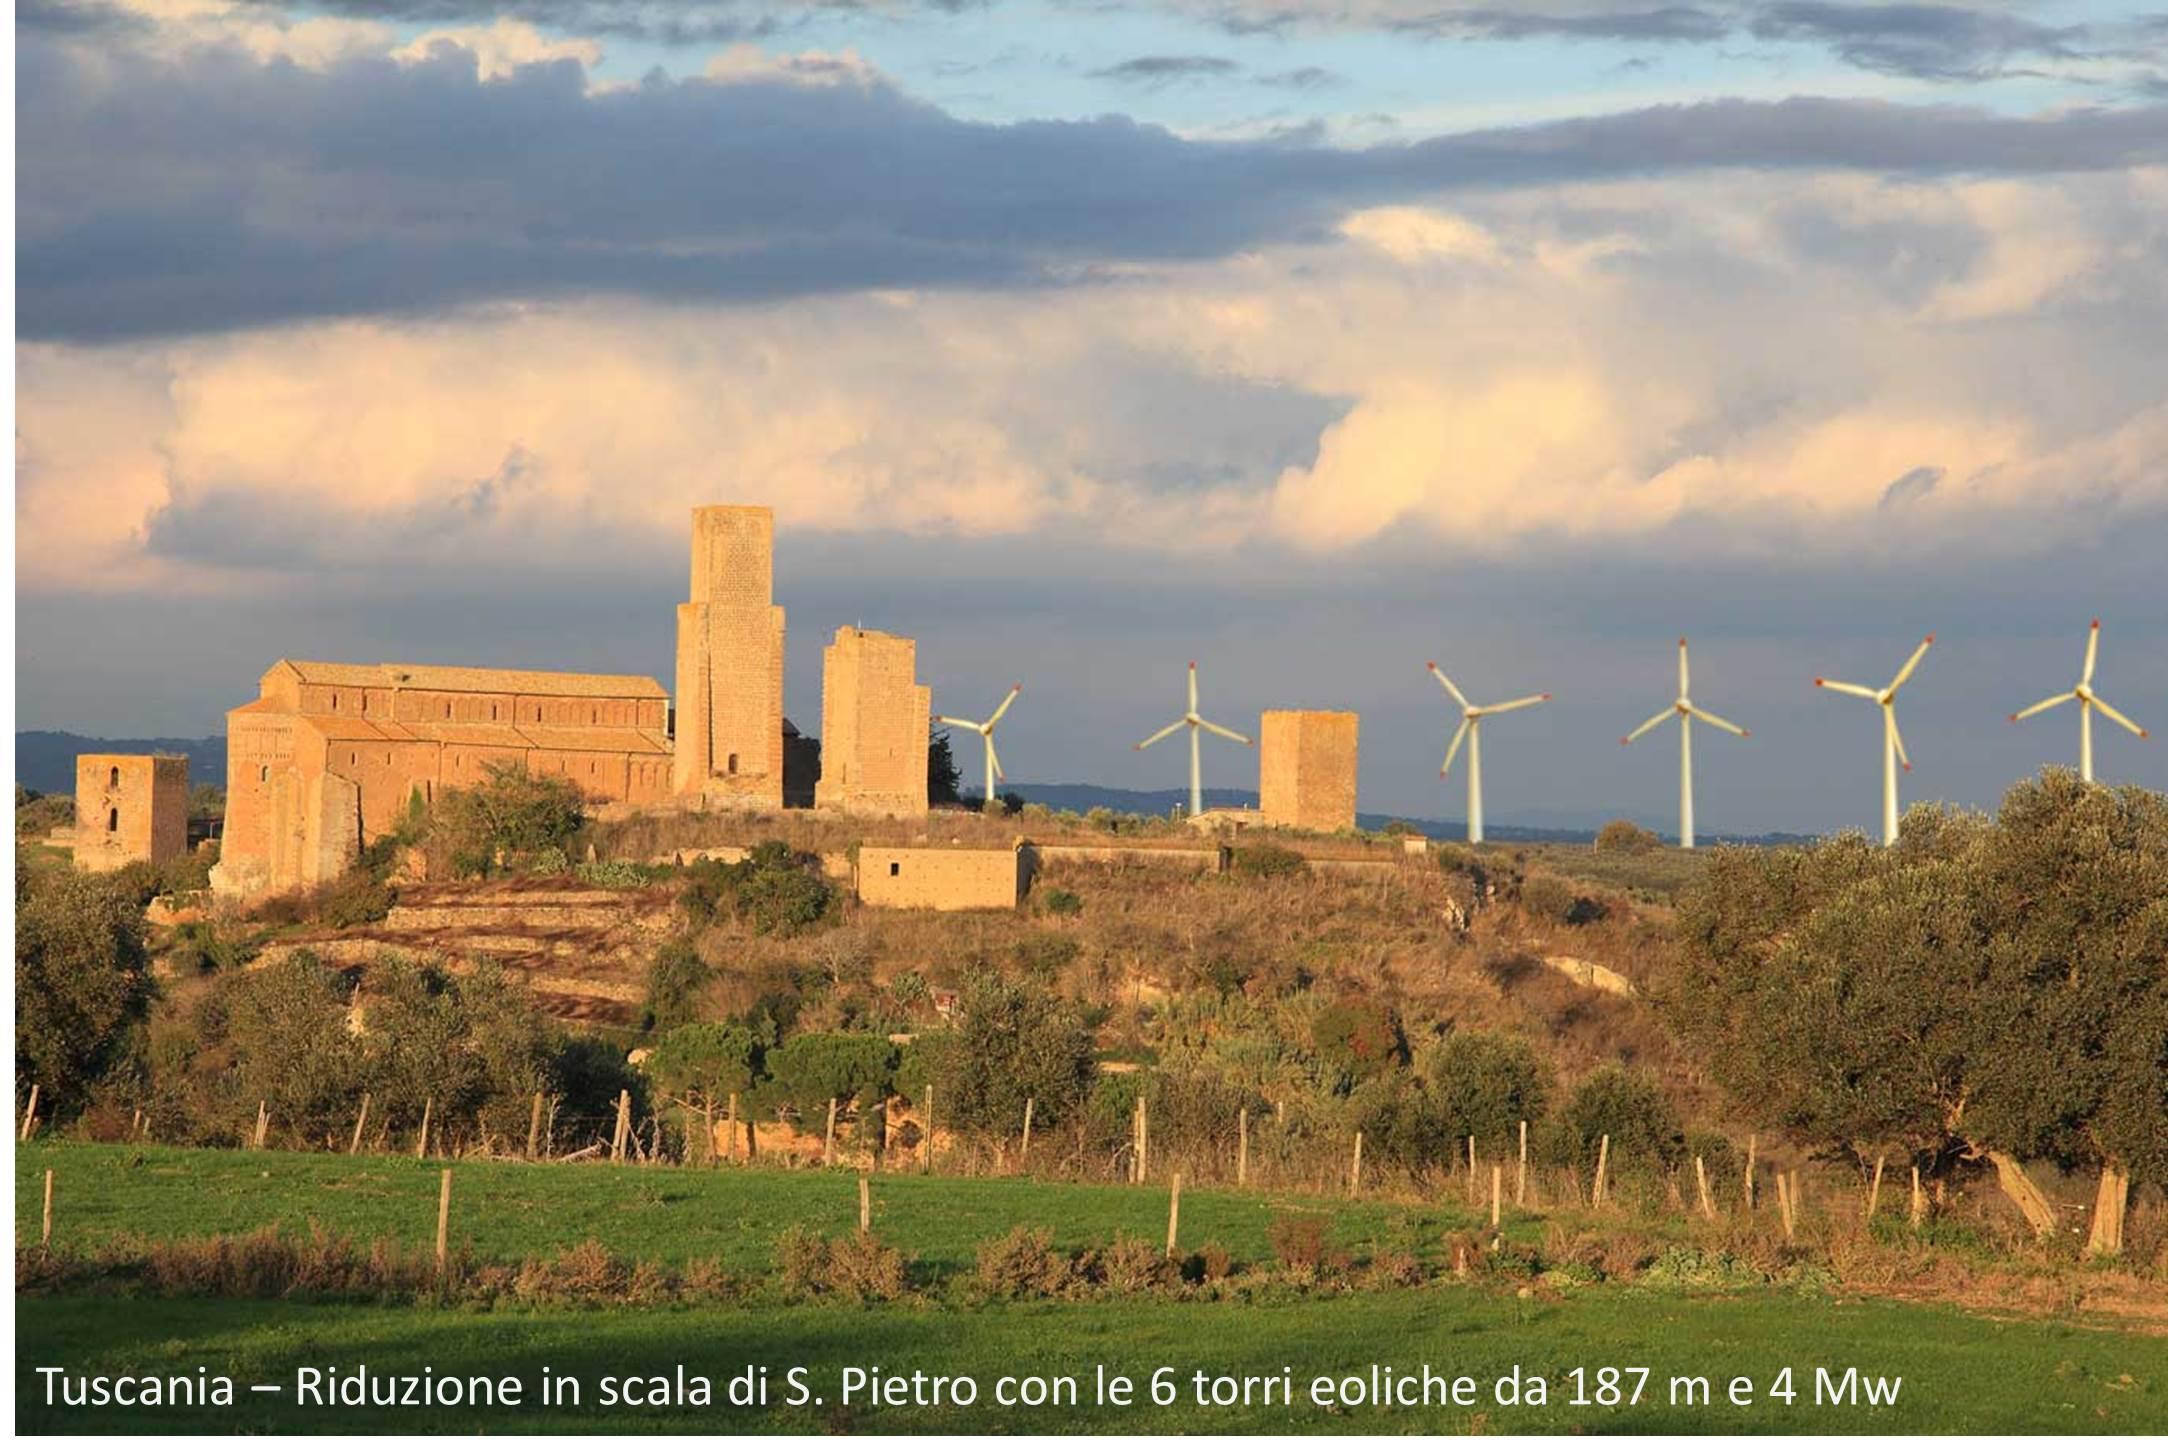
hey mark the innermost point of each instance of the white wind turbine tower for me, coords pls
(2087, 700)
(1683, 708)
(1893, 743)
(1192, 721)
(1471, 728)
(985, 730)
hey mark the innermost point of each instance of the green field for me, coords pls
(1960, 1372)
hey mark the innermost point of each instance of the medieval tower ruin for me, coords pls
(874, 722)
(1306, 769)
(729, 741)
(129, 806)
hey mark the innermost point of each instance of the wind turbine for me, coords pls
(2087, 700)
(1471, 728)
(985, 730)
(1683, 707)
(1893, 743)
(1193, 722)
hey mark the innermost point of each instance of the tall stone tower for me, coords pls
(874, 725)
(729, 746)
(1306, 769)
(129, 806)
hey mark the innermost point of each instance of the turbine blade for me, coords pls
(960, 723)
(1177, 725)
(1211, 727)
(2101, 704)
(1902, 757)
(2043, 705)
(1853, 688)
(1715, 722)
(996, 718)
(1193, 685)
(1510, 705)
(1911, 662)
(1452, 750)
(2092, 652)
(1645, 727)
(995, 759)
(1682, 669)
(1458, 697)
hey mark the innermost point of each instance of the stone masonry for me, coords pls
(1306, 769)
(729, 732)
(925, 878)
(874, 723)
(129, 806)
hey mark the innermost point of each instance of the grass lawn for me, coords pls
(1960, 1373)
(668, 1214)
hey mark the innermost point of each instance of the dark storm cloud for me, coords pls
(1929, 42)
(212, 191)
(1158, 70)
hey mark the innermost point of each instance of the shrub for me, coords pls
(1268, 861)
(676, 979)
(511, 814)
(1548, 897)
(1633, 1109)
(1006, 1043)
(1480, 1085)
(1136, 1266)
(858, 1266)
(1302, 1246)
(616, 874)
(1023, 1263)
(1623, 836)
(779, 893)
(82, 983)
(1062, 902)
(354, 898)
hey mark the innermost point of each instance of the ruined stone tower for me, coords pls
(729, 747)
(1306, 769)
(129, 806)
(874, 723)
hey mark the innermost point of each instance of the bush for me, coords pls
(1006, 1043)
(1023, 1263)
(1480, 1085)
(1623, 836)
(676, 979)
(616, 874)
(1136, 1266)
(1633, 1109)
(1267, 862)
(83, 987)
(1302, 1246)
(779, 893)
(1548, 897)
(1062, 902)
(512, 814)
(857, 1266)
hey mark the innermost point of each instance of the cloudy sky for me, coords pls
(1310, 338)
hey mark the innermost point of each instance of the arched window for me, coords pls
(733, 764)
(112, 821)
(263, 773)
(112, 777)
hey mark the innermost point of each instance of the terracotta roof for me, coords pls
(430, 677)
(602, 740)
(547, 737)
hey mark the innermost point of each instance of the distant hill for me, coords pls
(45, 761)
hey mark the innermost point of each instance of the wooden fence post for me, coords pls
(1784, 1202)
(1144, 1139)
(624, 1125)
(1874, 1189)
(1497, 1194)
(46, 1238)
(1603, 1165)
(928, 1164)
(263, 1123)
(828, 1139)
(30, 1115)
(2110, 1199)
(1748, 1176)
(1025, 1152)
(421, 1144)
(549, 1131)
(534, 1128)
(732, 1114)
(1701, 1182)
(1473, 1192)
(1520, 1175)
(444, 1217)
(1355, 1173)
(1919, 1200)
(360, 1122)
(865, 1206)
(1174, 1212)
(1242, 1146)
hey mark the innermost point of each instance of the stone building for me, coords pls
(328, 755)
(129, 806)
(874, 724)
(1306, 769)
(729, 730)
(924, 878)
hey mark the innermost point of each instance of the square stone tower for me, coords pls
(874, 724)
(1306, 769)
(129, 806)
(729, 745)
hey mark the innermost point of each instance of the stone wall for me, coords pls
(128, 807)
(1306, 769)
(919, 878)
(875, 720)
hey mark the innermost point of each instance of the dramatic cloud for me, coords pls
(1159, 70)
(1934, 42)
